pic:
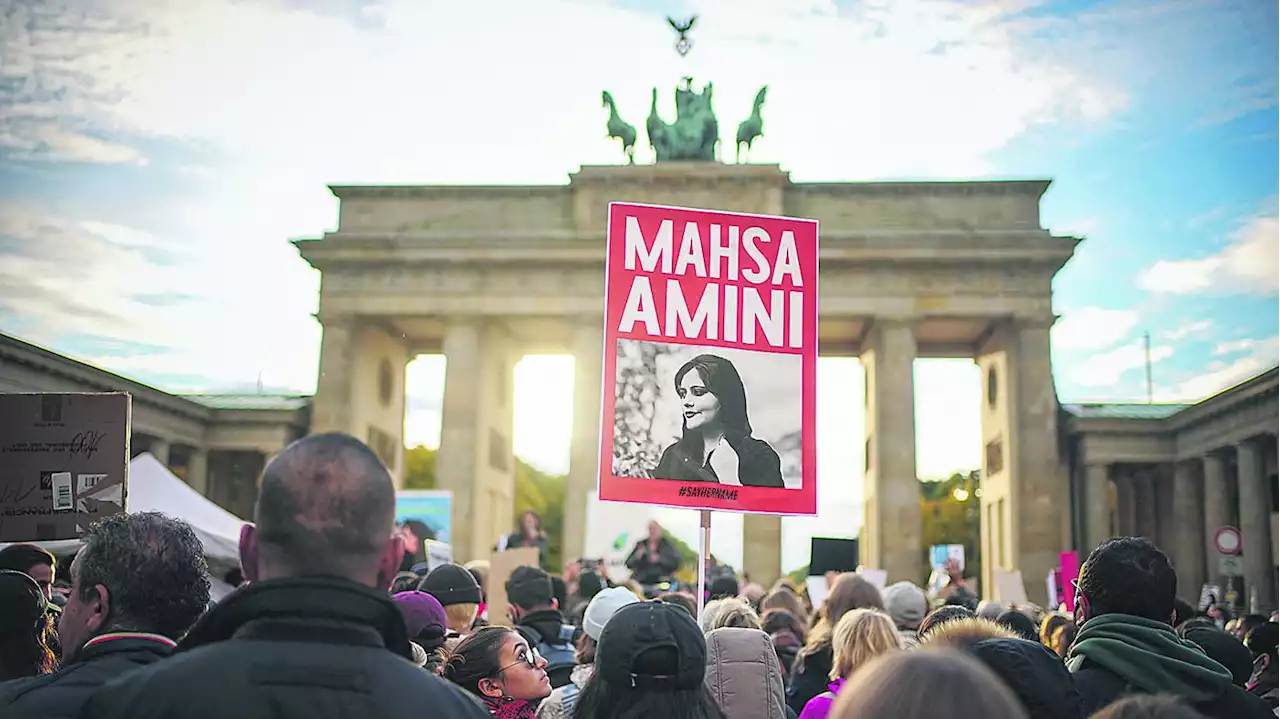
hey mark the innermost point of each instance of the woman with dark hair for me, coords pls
(25, 628)
(811, 673)
(498, 666)
(529, 533)
(716, 443)
(650, 662)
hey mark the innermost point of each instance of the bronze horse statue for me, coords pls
(620, 129)
(752, 127)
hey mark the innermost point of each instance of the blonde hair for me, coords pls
(729, 612)
(460, 617)
(860, 636)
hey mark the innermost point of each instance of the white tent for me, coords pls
(153, 488)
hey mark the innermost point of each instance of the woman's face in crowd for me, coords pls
(530, 523)
(701, 408)
(524, 672)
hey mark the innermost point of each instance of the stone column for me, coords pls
(1098, 506)
(198, 470)
(1025, 486)
(584, 449)
(476, 461)
(1126, 511)
(1255, 526)
(331, 406)
(1187, 530)
(159, 448)
(1216, 514)
(891, 538)
(762, 548)
(1145, 491)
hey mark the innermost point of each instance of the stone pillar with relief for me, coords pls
(1024, 484)
(1255, 527)
(476, 461)
(360, 389)
(584, 449)
(892, 532)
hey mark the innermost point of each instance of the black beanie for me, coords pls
(451, 584)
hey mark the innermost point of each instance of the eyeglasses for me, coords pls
(530, 657)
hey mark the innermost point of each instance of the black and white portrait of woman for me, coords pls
(691, 411)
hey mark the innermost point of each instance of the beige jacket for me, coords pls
(743, 674)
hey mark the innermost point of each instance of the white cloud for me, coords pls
(328, 99)
(1262, 354)
(1090, 328)
(1184, 331)
(1249, 263)
(1106, 368)
(1232, 347)
(204, 312)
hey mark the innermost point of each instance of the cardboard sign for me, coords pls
(64, 462)
(1009, 587)
(710, 360)
(501, 565)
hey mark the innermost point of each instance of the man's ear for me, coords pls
(249, 552)
(389, 561)
(98, 606)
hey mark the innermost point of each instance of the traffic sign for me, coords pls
(1230, 566)
(1227, 540)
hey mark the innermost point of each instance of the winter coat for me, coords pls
(61, 694)
(305, 648)
(743, 674)
(809, 676)
(1117, 654)
(820, 706)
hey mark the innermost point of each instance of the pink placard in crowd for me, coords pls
(710, 360)
(1070, 564)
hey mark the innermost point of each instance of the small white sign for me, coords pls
(62, 496)
(1231, 566)
(86, 482)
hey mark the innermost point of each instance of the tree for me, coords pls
(950, 514)
(420, 468)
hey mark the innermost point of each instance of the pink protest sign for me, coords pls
(1069, 562)
(711, 345)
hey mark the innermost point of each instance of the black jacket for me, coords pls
(61, 695)
(308, 648)
(758, 464)
(809, 677)
(1099, 687)
(646, 572)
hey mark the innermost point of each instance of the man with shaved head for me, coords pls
(313, 633)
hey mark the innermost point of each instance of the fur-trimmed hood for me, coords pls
(962, 634)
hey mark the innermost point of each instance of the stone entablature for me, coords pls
(200, 423)
(1246, 410)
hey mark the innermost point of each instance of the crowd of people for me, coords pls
(327, 624)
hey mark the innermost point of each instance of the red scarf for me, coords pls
(508, 708)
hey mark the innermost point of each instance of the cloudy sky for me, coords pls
(157, 155)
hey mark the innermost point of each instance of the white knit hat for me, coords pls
(602, 606)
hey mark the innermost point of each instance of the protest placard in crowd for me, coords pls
(711, 333)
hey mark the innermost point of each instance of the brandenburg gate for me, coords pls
(486, 274)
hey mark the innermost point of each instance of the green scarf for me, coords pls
(1149, 656)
